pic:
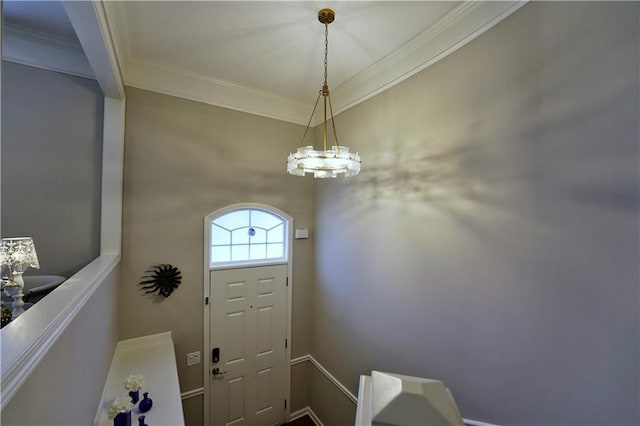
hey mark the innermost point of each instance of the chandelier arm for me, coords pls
(325, 86)
(324, 123)
(310, 118)
(333, 122)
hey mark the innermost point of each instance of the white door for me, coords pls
(248, 326)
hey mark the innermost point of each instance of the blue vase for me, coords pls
(146, 403)
(122, 419)
(141, 421)
(135, 396)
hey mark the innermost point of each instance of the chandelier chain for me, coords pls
(326, 50)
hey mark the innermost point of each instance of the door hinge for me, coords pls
(286, 342)
(287, 281)
(285, 404)
(206, 300)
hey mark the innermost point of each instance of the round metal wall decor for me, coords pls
(163, 279)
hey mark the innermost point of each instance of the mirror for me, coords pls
(28, 341)
(52, 123)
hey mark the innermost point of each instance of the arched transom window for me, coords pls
(248, 236)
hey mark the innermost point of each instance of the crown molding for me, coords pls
(458, 27)
(39, 36)
(175, 82)
(212, 91)
(26, 46)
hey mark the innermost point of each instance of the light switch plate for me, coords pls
(193, 358)
(302, 233)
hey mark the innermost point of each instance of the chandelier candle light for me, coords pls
(327, 163)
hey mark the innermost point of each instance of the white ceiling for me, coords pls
(276, 47)
(266, 57)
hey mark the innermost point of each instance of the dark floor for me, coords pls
(302, 421)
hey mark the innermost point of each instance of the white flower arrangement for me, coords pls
(134, 382)
(121, 404)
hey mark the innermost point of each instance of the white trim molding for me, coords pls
(306, 411)
(112, 175)
(454, 30)
(458, 27)
(469, 422)
(173, 82)
(42, 50)
(300, 359)
(90, 24)
(192, 393)
(327, 374)
(196, 87)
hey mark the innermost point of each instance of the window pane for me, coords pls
(233, 220)
(240, 236)
(258, 252)
(259, 237)
(247, 235)
(239, 253)
(263, 219)
(276, 235)
(220, 236)
(275, 251)
(221, 254)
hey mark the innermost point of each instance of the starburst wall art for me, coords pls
(162, 279)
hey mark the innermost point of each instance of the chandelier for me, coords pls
(327, 163)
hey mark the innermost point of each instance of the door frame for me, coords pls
(206, 297)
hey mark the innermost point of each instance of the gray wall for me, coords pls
(491, 240)
(300, 385)
(65, 388)
(184, 160)
(52, 165)
(331, 406)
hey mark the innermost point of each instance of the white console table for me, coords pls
(154, 357)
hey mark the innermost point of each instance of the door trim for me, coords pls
(206, 311)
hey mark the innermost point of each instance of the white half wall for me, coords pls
(66, 386)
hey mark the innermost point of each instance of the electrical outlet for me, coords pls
(193, 358)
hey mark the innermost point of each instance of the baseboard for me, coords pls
(300, 413)
(315, 418)
(347, 392)
(306, 411)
